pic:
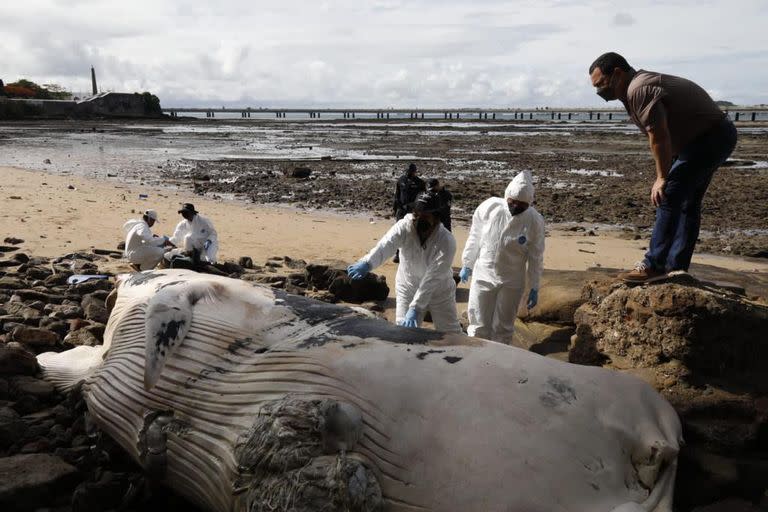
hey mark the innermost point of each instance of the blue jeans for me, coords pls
(678, 218)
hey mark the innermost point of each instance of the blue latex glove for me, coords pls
(533, 298)
(411, 318)
(358, 270)
(464, 274)
(207, 244)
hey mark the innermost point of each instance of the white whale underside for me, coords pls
(242, 398)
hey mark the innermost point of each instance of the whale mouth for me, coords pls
(299, 455)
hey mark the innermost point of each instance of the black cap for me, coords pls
(412, 167)
(187, 207)
(427, 202)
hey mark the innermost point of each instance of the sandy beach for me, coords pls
(58, 214)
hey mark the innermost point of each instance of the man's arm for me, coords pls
(661, 148)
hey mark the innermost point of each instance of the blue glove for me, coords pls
(166, 240)
(533, 298)
(464, 274)
(207, 244)
(411, 318)
(358, 270)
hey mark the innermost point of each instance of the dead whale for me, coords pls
(243, 398)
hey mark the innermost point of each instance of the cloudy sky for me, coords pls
(381, 53)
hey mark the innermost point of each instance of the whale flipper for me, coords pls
(168, 319)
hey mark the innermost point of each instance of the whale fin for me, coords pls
(65, 369)
(168, 319)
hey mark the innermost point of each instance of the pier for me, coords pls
(553, 114)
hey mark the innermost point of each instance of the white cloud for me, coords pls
(379, 52)
(623, 18)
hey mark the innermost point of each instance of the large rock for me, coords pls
(710, 330)
(91, 286)
(705, 349)
(35, 337)
(28, 482)
(14, 360)
(12, 283)
(11, 427)
(26, 385)
(82, 337)
(334, 279)
(28, 294)
(22, 310)
(94, 308)
(63, 311)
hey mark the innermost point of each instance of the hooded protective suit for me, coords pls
(141, 248)
(498, 249)
(194, 234)
(424, 278)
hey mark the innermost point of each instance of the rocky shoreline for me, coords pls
(575, 182)
(695, 341)
(590, 174)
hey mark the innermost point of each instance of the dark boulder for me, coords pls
(15, 360)
(31, 481)
(35, 337)
(301, 172)
(11, 427)
(12, 283)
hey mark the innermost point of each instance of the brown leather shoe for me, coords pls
(642, 274)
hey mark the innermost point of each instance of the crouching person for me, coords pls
(143, 250)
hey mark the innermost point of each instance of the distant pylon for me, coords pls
(93, 81)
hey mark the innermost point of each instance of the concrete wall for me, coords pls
(110, 104)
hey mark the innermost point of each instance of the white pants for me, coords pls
(146, 257)
(492, 310)
(442, 307)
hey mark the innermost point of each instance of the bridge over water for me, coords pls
(737, 113)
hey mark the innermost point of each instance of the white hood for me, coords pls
(521, 188)
(131, 223)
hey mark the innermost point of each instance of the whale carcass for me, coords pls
(244, 398)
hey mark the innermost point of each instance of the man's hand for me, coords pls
(657, 192)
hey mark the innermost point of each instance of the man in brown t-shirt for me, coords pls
(689, 137)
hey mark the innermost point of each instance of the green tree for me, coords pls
(151, 103)
(29, 89)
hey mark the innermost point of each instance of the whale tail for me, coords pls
(65, 369)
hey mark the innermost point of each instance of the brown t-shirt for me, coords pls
(690, 110)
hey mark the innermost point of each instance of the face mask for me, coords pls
(606, 92)
(423, 225)
(517, 210)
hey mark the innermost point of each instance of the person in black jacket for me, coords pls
(446, 198)
(407, 189)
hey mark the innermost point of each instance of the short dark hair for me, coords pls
(607, 62)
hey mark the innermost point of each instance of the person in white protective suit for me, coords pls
(195, 235)
(424, 280)
(507, 235)
(143, 250)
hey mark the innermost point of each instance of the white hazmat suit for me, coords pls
(498, 249)
(194, 234)
(141, 248)
(424, 279)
